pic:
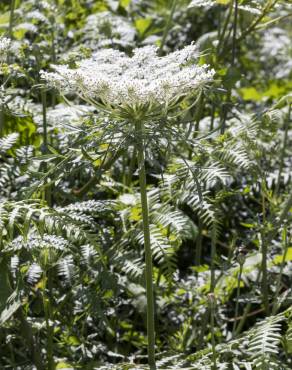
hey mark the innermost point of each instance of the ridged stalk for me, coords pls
(147, 246)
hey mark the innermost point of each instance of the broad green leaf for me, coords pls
(279, 258)
(250, 93)
(142, 25)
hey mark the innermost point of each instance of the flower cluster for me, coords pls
(253, 7)
(106, 29)
(138, 82)
(202, 3)
(5, 45)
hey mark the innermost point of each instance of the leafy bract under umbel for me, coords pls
(141, 83)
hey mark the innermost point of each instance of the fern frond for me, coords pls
(7, 142)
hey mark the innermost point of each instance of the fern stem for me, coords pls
(147, 246)
(279, 277)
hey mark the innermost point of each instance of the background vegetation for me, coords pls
(72, 285)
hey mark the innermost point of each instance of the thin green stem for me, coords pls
(237, 297)
(212, 304)
(251, 28)
(247, 308)
(48, 189)
(48, 320)
(222, 35)
(213, 256)
(234, 33)
(167, 26)
(199, 243)
(279, 278)
(283, 151)
(131, 167)
(264, 249)
(147, 246)
(11, 19)
(229, 92)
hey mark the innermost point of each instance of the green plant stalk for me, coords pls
(11, 19)
(237, 297)
(212, 325)
(247, 309)
(213, 342)
(2, 120)
(147, 246)
(264, 249)
(213, 256)
(131, 167)
(48, 190)
(199, 243)
(53, 56)
(229, 92)
(283, 151)
(222, 35)
(48, 318)
(279, 278)
(167, 26)
(252, 27)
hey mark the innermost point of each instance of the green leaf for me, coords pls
(279, 258)
(125, 3)
(250, 93)
(142, 25)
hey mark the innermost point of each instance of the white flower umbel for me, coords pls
(144, 82)
(5, 45)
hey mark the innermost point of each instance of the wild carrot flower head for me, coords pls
(144, 82)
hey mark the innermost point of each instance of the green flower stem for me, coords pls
(247, 308)
(199, 243)
(11, 19)
(147, 246)
(237, 297)
(264, 250)
(279, 278)
(285, 142)
(213, 256)
(229, 92)
(168, 25)
(131, 167)
(27, 332)
(212, 303)
(48, 319)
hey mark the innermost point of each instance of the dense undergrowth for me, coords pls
(158, 128)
